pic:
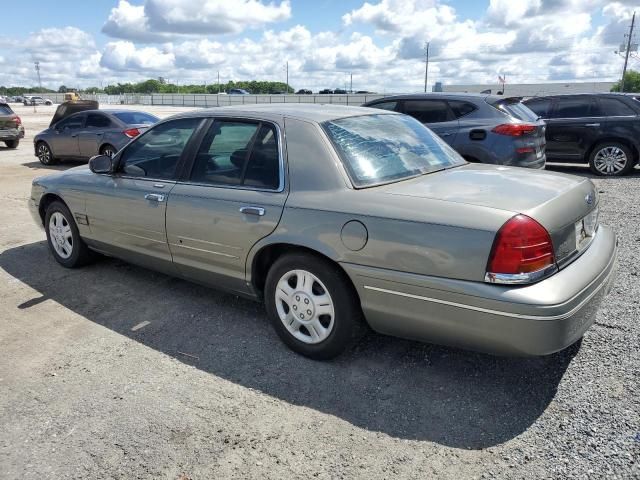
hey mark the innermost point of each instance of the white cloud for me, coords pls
(162, 19)
(124, 56)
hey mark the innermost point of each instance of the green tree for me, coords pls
(62, 89)
(631, 82)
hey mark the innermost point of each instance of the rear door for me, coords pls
(621, 117)
(435, 114)
(574, 124)
(90, 137)
(233, 196)
(64, 142)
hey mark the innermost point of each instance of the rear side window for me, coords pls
(518, 110)
(386, 106)
(614, 107)
(428, 111)
(540, 106)
(460, 108)
(575, 107)
(5, 110)
(238, 153)
(96, 120)
(133, 118)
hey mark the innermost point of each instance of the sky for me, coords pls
(377, 43)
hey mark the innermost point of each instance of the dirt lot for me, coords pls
(113, 371)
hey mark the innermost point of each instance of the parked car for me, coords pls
(481, 128)
(11, 128)
(360, 92)
(602, 130)
(340, 91)
(304, 91)
(91, 132)
(36, 100)
(326, 91)
(336, 214)
(238, 91)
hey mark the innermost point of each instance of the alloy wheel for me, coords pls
(305, 306)
(44, 154)
(610, 160)
(61, 235)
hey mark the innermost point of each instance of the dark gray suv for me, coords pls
(481, 128)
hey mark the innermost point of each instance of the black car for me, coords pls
(326, 91)
(340, 91)
(602, 130)
(304, 91)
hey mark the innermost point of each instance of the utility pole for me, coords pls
(37, 64)
(351, 83)
(426, 66)
(218, 82)
(287, 77)
(626, 53)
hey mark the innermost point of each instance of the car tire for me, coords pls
(44, 154)
(12, 143)
(63, 237)
(48, 103)
(108, 148)
(318, 292)
(611, 159)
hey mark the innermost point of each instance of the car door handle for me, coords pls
(591, 124)
(259, 211)
(74, 135)
(154, 197)
(446, 134)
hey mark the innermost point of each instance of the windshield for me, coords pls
(383, 148)
(133, 118)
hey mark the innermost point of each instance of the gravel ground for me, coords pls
(113, 371)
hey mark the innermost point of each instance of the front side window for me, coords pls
(156, 153)
(383, 148)
(238, 153)
(72, 123)
(386, 106)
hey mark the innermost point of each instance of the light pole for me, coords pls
(37, 64)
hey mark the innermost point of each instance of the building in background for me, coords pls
(531, 89)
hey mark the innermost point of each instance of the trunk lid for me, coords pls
(557, 201)
(67, 108)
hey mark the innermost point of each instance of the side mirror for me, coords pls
(101, 164)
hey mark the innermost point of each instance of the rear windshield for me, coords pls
(5, 110)
(383, 148)
(518, 110)
(136, 118)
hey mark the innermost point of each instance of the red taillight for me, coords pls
(522, 245)
(132, 132)
(514, 129)
(17, 119)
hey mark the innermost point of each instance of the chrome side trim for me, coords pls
(205, 251)
(562, 316)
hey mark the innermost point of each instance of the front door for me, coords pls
(574, 123)
(233, 197)
(126, 210)
(64, 141)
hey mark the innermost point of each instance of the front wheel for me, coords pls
(63, 237)
(312, 305)
(44, 153)
(12, 143)
(611, 159)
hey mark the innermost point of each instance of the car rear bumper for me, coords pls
(11, 134)
(537, 319)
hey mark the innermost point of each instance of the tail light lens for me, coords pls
(17, 119)
(131, 132)
(515, 129)
(522, 252)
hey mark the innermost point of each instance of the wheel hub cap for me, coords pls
(303, 306)
(610, 160)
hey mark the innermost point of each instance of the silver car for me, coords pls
(91, 132)
(340, 216)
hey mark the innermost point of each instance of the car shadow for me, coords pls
(584, 171)
(62, 165)
(400, 388)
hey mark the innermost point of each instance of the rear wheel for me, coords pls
(611, 159)
(108, 150)
(12, 143)
(312, 305)
(63, 237)
(44, 153)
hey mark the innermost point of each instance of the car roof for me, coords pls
(592, 94)
(310, 112)
(451, 95)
